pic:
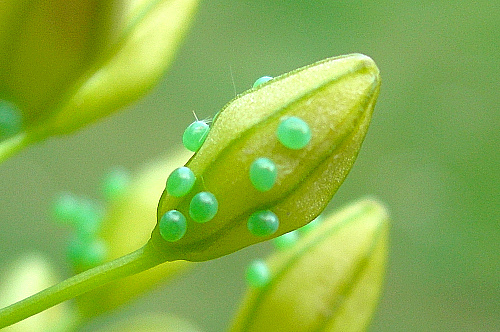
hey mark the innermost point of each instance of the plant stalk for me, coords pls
(135, 262)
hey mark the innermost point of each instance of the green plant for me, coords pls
(307, 125)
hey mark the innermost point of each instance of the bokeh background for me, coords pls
(431, 155)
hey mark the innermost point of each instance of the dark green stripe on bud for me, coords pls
(334, 98)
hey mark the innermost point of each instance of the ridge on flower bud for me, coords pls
(333, 100)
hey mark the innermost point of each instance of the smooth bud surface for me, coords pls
(329, 280)
(334, 98)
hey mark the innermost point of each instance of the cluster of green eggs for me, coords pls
(292, 132)
(86, 248)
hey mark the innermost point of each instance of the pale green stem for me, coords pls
(135, 262)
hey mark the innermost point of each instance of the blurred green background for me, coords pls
(432, 152)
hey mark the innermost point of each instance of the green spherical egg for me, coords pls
(263, 223)
(294, 133)
(11, 121)
(172, 226)
(258, 274)
(262, 80)
(263, 174)
(194, 135)
(180, 182)
(203, 207)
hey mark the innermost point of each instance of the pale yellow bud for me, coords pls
(330, 280)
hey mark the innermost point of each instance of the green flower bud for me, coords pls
(47, 45)
(69, 63)
(151, 34)
(330, 102)
(125, 228)
(329, 280)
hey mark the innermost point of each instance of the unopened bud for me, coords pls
(330, 280)
(308, 125)
(68, 63)
(146, 46)
(46, 47)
